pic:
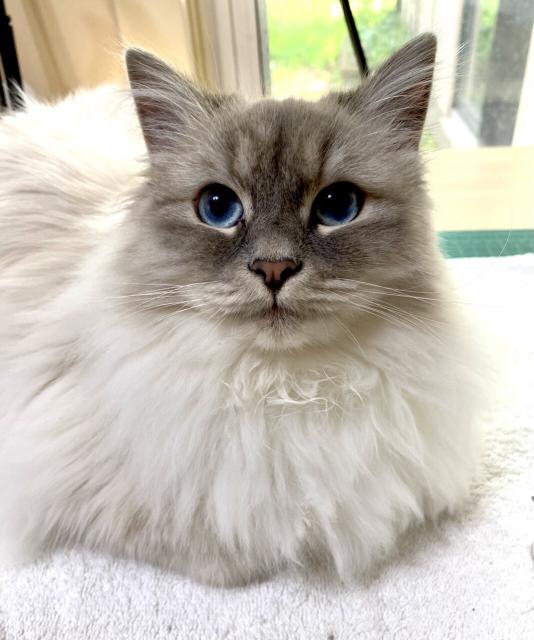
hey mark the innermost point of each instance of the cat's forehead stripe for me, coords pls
(282, 143)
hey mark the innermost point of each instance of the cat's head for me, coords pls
(274, 215)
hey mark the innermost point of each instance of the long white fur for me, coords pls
(177, 443)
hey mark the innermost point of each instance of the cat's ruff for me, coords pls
(194, 440)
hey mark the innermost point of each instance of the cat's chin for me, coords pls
(269, 338)
(282, 330)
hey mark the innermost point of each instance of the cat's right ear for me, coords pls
(167, 102)
(395, 98)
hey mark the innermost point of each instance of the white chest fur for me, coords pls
(172, 444)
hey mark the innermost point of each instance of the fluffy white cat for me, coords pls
(238, 353)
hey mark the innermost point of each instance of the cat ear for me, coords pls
(166, 101)
(397, 93)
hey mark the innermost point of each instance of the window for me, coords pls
(484, 70)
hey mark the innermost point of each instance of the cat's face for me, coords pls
(275, 214)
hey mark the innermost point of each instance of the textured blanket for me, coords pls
(472, 577)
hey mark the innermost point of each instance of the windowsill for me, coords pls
(484, 188)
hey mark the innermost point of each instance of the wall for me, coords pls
(524, 124)
(65, 44)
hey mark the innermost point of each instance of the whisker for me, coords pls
(379, 286)
(350, 334)
(388, 315)
(146, 304)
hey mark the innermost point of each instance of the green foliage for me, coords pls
(488, 20)
(311, 33)
(382, 33)
(303, 34)
(482, 50)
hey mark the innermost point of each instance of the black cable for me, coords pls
(3, 100)
(355, 38)
(8, 56)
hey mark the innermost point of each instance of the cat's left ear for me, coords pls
(167, 103)
(396, 95)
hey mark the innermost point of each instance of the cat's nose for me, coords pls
(274, 274)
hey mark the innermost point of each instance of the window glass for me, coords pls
(310, 52)
(485, 59)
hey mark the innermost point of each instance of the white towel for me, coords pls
(472, 577)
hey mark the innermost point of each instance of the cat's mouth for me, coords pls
(281, 317)
(276, 314)
(280, 327)
(275, 310)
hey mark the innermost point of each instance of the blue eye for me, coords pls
(338, 203)
(219, 206)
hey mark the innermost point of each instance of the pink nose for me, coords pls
(274, 274)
